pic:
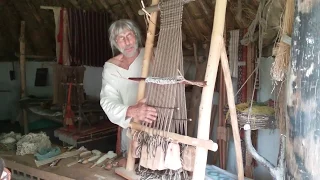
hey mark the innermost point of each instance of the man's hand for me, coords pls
(142, 112)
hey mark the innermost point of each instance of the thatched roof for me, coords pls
(40, 27)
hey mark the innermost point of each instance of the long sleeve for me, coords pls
(112, 103)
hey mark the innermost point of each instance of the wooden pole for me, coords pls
(207, 92)
(233, 113)
(302, 94)
(144, 72)
(23, 73)
(22, 59)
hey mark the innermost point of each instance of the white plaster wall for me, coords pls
(268, 140)
(9, 100)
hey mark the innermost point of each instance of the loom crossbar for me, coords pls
(207, 144)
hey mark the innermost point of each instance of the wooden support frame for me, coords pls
(217, 51)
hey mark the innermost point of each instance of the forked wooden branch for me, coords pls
(277, 172)
(207, 144)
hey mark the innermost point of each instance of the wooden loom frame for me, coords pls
(217, 51)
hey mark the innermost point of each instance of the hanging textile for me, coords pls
(88, 37)
(233, 49)
(61, 36)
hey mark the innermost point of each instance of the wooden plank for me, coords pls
(207, 144)
(77, 171)
(33, 172)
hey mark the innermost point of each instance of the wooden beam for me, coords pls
(205, 11)
(74, 3)
(135, 6)
(233, 112)
(207, 144)
(207, 94)
(23, 73)
(127, 9)
(49, 7)
(189, 22)
(109, 9)
(22, 59)
(35, 56)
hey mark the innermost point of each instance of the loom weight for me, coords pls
(188, 156)
(172, 160)
(144, 156)
(158, 162)
(147, 159)
(135, 146)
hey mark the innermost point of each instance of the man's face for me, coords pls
(126, 43)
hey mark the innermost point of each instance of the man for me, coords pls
(118, 97)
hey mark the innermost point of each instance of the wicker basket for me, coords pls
(257, 121)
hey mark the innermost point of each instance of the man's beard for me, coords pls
(129, 54)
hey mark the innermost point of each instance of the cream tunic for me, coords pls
(118, 93)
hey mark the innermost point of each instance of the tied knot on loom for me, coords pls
(179, 79)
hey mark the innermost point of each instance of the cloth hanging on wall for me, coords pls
(233, 49)
(61, 36)
(88, 37)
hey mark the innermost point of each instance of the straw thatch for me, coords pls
(40, 27)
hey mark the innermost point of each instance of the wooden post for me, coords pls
(23, 73)
(144, 72)
(303, 105)
(207, 93)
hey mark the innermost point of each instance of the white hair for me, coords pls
(118, 27)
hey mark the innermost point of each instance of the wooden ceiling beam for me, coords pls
(106, 5)
(75, 3)
(11, 18)
(205, 11)
(202, 28)
(128, 9)
(36, 31)
(192, 28)
(135, 5)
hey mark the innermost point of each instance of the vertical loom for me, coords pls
(164, 149)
